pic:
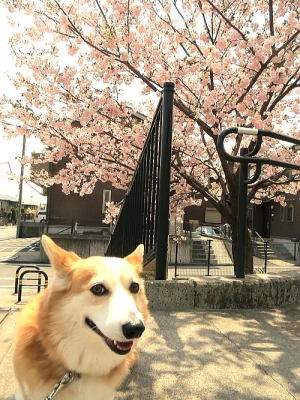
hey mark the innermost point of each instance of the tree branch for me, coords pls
(265, 183)
(195, 184)
(265, 65)
(283, 94)
(243, 36)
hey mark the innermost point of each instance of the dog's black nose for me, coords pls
(133, 330)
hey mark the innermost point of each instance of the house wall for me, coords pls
(7, 205)
(65, 209)
(285, 229)
(201, 214)
(86, 210)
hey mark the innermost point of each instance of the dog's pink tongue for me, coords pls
(124, 345)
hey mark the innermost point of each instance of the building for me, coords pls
(271, 220)
(88, 210)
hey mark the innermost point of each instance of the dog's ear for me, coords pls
(60, 259)
(136, 258)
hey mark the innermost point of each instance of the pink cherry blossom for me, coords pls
(80, 61)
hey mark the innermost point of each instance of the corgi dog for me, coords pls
(86, 323)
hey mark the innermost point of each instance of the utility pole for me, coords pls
(21, 189)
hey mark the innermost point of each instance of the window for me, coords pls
(105, 199)
(282, 209)
(290, 213)
(212, 216)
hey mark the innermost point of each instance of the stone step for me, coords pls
(199, 260)
(195, 252)
(204, 243)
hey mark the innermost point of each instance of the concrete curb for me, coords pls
(255, 291)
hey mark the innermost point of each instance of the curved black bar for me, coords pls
(256, 174)
(30, 271)
(17, 274)
(252, 160)
(245, 159)
(256, 147)
(220, 142)
(279, 136)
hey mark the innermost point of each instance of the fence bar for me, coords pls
(144, 216)
(266, 255)
(164, 183)
(208, 259)
(176, 258)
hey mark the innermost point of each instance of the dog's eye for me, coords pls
(134, 287)
(99, 289)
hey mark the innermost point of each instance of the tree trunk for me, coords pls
(248, 252)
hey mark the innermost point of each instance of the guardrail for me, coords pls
(144, 216)
(39, 285)
(18, 272)
(245, 158)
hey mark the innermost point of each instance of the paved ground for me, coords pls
(230, 355)
(17, 250)
(7, 232)
(243, 355)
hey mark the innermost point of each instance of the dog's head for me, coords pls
(96, 306)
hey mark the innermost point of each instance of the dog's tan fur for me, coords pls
(43, 352)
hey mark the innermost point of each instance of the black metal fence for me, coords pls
(211, 256)
(144, 216)
(246, 157)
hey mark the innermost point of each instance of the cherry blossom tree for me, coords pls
(234, 63)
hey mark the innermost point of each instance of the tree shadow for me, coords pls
(242, 354)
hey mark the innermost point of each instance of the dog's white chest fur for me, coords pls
(86, 387)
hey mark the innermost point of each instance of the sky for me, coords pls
(10, 150)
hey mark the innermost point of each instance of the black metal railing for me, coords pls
(192, 258)
(144, 216)
(245, 158)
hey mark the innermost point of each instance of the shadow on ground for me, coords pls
(251, 354)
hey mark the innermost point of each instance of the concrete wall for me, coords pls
(220, 293)
(32, 229)
(84, 246)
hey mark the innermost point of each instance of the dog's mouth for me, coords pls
(116, 346)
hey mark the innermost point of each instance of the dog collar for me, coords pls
(63, 382)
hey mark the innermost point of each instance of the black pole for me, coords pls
(164, 182)
(208, 260)
(20, 290)
(266, 255)
(239, 266)
(176, 256)
(39, 283)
